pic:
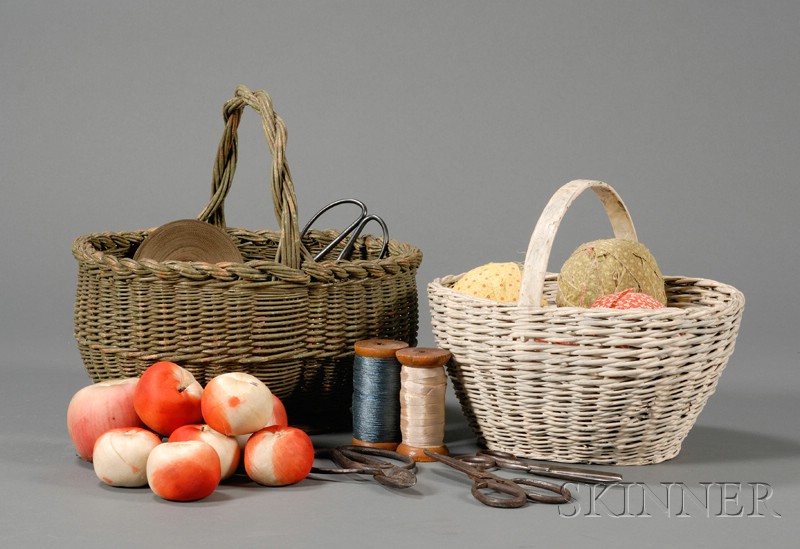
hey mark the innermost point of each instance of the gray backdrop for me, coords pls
(455, 121)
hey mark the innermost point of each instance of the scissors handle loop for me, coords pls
(558, 493)
(347, 252)
(353, 230)
(518, 495)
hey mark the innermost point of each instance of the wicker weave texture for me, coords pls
(280, 316)
(571, 384)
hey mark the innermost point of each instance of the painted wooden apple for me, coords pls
(183, 471)
(236, 403)
(120, 456)
(227, 448)
(96, 408)
(167, 396)
(277, 456)
(279, 417)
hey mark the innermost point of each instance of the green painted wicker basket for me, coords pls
(279, 315)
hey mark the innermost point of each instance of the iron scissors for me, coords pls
(353, 229)
(491, 459)
(358, 460)
(484, 481)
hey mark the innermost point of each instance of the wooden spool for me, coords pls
(380, 349)
(428, 358)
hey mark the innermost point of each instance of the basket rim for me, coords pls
(402, 257)
(443, 285)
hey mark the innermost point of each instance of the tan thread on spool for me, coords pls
(189, 240)
(422, 401)
(382, 349)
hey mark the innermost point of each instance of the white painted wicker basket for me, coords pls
(581, 385)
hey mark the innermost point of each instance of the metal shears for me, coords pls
(394, 470)
(505, 460)
(353, 230)
(520, 490)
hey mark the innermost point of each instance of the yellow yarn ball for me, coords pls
(608, 266)
(495, 281)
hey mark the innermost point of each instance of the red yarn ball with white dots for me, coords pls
(627, 299)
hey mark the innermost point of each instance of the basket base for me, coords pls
(649, 459)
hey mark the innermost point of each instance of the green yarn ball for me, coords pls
(603, 267)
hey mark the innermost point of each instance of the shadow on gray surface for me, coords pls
(707, 444)
(456, 428)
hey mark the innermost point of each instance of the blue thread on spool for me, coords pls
(376, 393)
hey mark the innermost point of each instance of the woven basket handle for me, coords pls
(291, 251)
(544, 233)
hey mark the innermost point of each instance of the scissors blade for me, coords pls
(575, 474)
(395, 477)
(469, 470)
(384, 472)
(578, 474)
